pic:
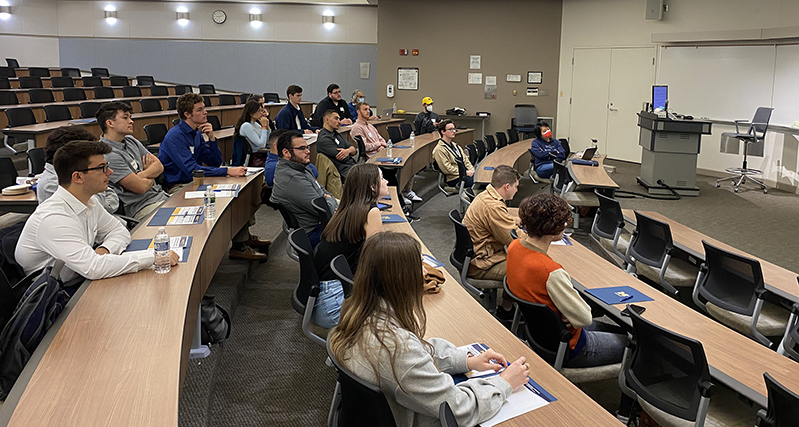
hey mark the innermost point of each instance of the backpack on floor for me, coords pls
(214, 322)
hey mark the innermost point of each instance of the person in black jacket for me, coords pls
(335, 146)
(333, 102)
(425, 121)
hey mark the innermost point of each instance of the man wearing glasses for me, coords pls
(68, 224)
(448, 154)
(295, 186)
(333, 102)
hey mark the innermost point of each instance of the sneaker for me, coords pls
(412, 216)
(413, 196)
(248, 254)
(405, 200)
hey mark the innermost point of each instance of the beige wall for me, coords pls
(512, 36)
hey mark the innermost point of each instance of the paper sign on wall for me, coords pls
(365, 70)
(474, 62)
(475, 78)
(491, 80)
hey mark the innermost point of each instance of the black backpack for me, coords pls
(215, 322)
(36, 312)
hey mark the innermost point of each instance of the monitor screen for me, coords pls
(660, 94)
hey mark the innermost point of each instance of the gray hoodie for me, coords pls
(295, 188)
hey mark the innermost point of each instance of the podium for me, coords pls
(670, 147)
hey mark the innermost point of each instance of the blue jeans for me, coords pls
(604, 345)
(468, 180)
(545, 171)
(315, 236)
(327, 309)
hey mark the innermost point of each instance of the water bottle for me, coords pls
(390, 146)
(210, 204)
(161, 245)
(394, 110)
(413, 140)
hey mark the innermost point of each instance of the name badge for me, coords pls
(134, 165)
(341, 108)
(191, 147)
(370, 134)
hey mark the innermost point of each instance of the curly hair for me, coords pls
(544, 215)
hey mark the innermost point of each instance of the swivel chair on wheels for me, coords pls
(756, 133)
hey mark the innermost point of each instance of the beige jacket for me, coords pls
(489, 224)
(446, 160)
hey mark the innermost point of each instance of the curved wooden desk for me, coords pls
(516, 155)
(454, 315)
(120, 356)
(592, 176)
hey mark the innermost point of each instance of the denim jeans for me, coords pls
(468, 180)
(327, 309)
(545, 171)
(604, 345)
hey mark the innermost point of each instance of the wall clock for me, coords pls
(219, 16)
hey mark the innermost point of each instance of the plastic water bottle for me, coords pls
(161, 245)
(413, 140)
(210, 204)
(394, 110)
(390, 146)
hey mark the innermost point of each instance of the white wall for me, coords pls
(621, 23)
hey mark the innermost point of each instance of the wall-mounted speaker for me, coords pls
(654, 10)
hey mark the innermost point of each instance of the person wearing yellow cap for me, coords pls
(425, 121)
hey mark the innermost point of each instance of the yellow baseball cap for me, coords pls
(427, 100)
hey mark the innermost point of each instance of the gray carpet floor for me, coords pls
(268, 373)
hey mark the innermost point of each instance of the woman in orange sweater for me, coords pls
(535, 277)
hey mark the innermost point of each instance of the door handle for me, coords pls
(610, 107)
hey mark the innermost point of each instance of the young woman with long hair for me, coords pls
(253, 127)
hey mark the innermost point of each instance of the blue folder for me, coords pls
(162, 215)
(394, 160)
(402, 147)
(391, 218)
(618, 295)
(143, 244)
(489, 168)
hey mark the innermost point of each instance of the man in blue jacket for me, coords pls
(291, 116)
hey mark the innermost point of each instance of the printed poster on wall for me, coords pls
(407, 78)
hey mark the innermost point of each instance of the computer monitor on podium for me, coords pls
(660, 95)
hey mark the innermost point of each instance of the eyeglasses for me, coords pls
(301, 148)
(450, 129)
(336, 92)
(103, 167)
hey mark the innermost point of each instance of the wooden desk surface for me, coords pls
(511, 155)
(592, 176)
(778, 280)
(120, 356)
(77, 81)
(454, 315)
(736, 360)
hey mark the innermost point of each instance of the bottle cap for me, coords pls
(160, 229)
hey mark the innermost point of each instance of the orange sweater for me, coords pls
(535, 277)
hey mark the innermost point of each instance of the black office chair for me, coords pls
(445, 415)
(513, 136)
(74, 94)
(207, 101)
(405, 130)
(472, 150)
(5, 83)
(119, 81)
(175, 121)
(525, 118)
(502, 140)
(131, 91)
(155, 133)
(394, 134)
(357, 402)
(549, 337)
(30, 82)
(145, 81)
(172, 102)
(92, 81)
(8, 72)
(271, 97)
(206, 89)
(445, 189)
(150, 104)
(491, 144)
(650, 254)
(461, 256)
(159, 91)
(734, 293)
(104, 92)
(563, 185)
(39, 72)
(322, 210)
(8, 173)
(307, 290)
(564, 142)
(341, 268)
(783, 406)
(214, 121)
(13, 63)
(362, 158)
(62, 81)
(242, 151)
(8, 98)
(181, 89)
(70, 72)
(666, 373)
(290, 224)
(41, 96)
(35, 161)
(57, 113)
(226, 99)
(100, 72)
(19, 116)
(791, 338)
(88, 109)
(481, 150)
(608, 227)
(560, 178)
(756, 134)
(243, 97)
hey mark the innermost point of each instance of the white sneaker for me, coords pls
(413, 196)
(405, 200)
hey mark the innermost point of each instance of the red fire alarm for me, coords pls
(415, 52)
(403, 52)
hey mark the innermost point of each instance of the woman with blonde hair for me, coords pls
(380, 338)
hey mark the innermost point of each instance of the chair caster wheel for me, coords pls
(718, 185)
(735, 190)
(765, 191)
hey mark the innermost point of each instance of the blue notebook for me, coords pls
(432, 262)
(618, 295)
(489, 168)
(391, 218)
(394, 160)
(382, 206)
(177, 216)
(143, 244)
(402, 147)
(585, 162)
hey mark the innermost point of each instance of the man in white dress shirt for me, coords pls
(69, 224)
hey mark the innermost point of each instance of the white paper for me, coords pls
(201, 194)
(513, 78)
(474, 62)
(188, 210)
(475, 78)
(365, 70)
(491, 80)
(520, 402)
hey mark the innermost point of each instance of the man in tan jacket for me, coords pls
(448, 154)
(489, 224)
